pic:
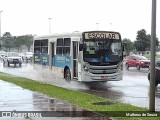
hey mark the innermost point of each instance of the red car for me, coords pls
(137, 61)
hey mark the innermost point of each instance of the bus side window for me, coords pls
(59, 48)
(44, 46)
(66, 47)
(37, 46)
(66, 50)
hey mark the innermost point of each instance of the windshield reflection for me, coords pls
(99, 51)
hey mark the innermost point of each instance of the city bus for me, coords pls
(89, 56)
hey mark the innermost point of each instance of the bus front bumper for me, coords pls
(89, 77)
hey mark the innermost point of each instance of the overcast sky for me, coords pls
(21, 17)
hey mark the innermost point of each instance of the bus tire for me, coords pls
(127, 66)
(138, 67)
(67, 75)
(8, 64)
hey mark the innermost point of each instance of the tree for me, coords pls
(129, 45)
(142, 40)
(18, 42)
(28, 41)
(149, 41)
(8, 41)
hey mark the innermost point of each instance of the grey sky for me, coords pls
(20, 17)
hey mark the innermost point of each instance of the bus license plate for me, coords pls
(103, 77)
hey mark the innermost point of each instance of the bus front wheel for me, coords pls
(67, 75)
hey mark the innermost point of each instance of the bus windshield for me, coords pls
(102, 51)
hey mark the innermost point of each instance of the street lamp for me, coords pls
(49, 25)
(97, 25)
(110, 25)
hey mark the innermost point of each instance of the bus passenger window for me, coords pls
(37, 50)
(67, 41)
(59, 50)
(37, 43)
(44, 49)
(66, 50)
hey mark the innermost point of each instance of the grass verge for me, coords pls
(80, 99)
(149, 56)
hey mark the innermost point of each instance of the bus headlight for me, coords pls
(119, 69)
(86, 69)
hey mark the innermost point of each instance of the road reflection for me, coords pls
(133, 89)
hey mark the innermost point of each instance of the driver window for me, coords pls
(90, 47)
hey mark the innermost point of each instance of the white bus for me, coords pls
(83, 56)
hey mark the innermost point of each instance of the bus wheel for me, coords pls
(20, 64)
(67, 75)
(8, 64)
(138, 67)
(127, 66)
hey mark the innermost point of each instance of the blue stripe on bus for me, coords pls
(41, 59)
(58, 60)
(62, 61)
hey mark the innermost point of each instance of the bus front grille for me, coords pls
(103, 71)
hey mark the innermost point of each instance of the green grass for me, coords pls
(80, 99)
(149, 56)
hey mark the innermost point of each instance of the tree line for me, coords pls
(141, 44)
(9, 42)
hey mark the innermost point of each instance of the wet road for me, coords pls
(133, 89)
(18, 102)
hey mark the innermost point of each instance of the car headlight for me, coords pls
(141, 62)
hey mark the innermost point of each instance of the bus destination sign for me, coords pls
(101, 35)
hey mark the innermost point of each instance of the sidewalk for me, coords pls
(16, 99)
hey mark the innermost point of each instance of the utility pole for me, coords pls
(49, 25)
(152, 65)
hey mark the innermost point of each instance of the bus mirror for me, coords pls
(124, 46)
(80, 47)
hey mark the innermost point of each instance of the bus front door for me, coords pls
(75, 60)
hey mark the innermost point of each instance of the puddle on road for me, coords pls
(15, 98)
(104, 103)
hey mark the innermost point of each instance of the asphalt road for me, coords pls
(133, 89)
